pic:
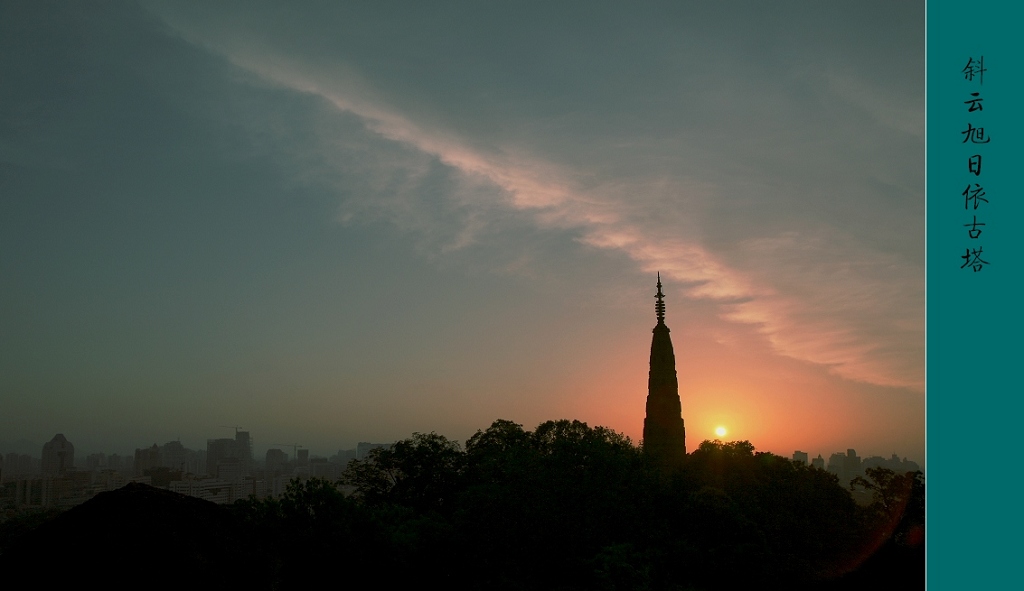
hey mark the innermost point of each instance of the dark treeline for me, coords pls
(566, 506)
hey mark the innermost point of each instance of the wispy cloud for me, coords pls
(816, 296)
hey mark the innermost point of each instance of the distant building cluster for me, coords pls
(222, 473)
(847, 466)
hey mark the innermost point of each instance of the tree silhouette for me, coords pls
(422, 473)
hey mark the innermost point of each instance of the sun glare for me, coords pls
(720, 431)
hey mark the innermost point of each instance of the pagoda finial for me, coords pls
(659, 306)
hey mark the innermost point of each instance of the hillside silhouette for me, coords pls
(135, 533)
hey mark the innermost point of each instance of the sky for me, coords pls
(327, 223)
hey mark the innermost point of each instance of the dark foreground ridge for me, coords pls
(156, 538)
(565, 507)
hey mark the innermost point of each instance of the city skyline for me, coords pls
(31, 450)
(236, 460)
(334, 224)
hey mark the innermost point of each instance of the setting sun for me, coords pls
(720, 431)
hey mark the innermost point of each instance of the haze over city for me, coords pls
(330, 223)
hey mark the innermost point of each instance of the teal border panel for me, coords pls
(974, 402)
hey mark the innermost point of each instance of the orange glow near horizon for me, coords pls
(776, 403)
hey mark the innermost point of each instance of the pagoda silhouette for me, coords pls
(664, 433)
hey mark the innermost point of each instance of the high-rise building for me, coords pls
(218, 450)
(147, 459)
(664, 433)
(58, 455)
(230, 470)
(174, 455)
(275, 461)
(243, 451)
(837, 464)
(845, 466)
(852, 468)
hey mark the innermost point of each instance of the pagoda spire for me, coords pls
(659, 305)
